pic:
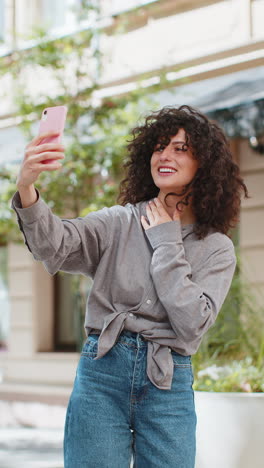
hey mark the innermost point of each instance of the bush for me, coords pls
(238, 376)
(231, 355)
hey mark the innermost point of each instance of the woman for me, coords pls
(162, 264)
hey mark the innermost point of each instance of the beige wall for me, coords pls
(31, 294)
(30, 359)
(252, 218)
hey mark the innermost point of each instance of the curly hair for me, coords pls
(215, 190)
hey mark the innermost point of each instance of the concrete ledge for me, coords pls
(49, 394)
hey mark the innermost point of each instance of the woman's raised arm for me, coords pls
(36, 160)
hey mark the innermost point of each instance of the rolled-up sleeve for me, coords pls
(71, 245)
(192, 300)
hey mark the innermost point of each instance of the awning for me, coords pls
(238, 108)
(235, 101)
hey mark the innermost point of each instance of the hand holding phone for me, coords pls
(52, 120)
(45, 151)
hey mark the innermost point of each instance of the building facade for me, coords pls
(213, 46)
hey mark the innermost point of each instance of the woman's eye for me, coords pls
(180, 149)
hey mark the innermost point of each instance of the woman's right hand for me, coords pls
(38, 158)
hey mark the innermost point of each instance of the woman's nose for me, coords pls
(165, 153)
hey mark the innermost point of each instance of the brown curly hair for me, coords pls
(215, 190)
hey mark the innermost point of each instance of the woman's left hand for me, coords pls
(157, 214)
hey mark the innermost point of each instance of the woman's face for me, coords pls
(173, 167)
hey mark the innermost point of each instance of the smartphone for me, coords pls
(52, 120)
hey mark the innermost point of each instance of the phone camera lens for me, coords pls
(45, 112)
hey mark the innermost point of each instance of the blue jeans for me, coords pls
(115, 411)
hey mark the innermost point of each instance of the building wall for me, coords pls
(183, 35)
(30, 363)
(195, 39)
(252, 219)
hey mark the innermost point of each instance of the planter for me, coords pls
(230, 430)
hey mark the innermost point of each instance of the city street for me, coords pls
(31, 448)
(31, 435)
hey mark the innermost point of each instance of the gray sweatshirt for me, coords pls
(163, 283)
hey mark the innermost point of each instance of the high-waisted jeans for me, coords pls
(115, 412)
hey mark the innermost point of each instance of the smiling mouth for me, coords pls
(166, 170)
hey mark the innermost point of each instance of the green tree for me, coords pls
(95, 133)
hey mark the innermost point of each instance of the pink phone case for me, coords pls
(52, 119)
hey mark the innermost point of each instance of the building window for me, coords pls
(58, 16)
(53, 13)
(71, 292)
(53, 16)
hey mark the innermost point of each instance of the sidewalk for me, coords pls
(31, 448)
(31, 435)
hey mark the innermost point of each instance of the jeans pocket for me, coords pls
(90, 346)
(183, 371)
(181, 361)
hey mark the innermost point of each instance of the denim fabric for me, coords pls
(115, 411)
